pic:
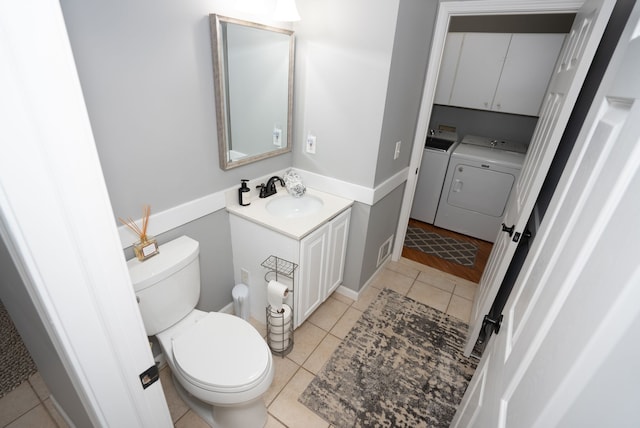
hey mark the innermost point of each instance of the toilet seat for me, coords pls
(222, 353)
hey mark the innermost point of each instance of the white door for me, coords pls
(563, 91)
(57, 224)
(567, 354)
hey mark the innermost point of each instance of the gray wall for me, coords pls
(147, 76)
(343, 58)
(146, 73)
(23, 313)
(406, 80)
(484, 123)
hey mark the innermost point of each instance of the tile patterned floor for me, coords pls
(316, 339)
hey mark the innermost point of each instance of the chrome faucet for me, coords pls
(269, 189)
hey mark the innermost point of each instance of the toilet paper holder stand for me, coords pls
(280, 324)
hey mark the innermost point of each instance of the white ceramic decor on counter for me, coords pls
(293, 217)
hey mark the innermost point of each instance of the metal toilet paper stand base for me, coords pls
(279, 329)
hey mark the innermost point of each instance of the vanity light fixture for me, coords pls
(286, 10)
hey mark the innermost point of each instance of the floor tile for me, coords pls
(177, 407)
(344, 299)
(328, 313)
(393, 280)
(191, 420)
(460, 308)
(273, 423)
(403, 268)
(344, 324)
(284, 371)
(430, 295)
(287, 409)
(38, 385)
(366, 297)
(446, 284)
(322, 353)
(36, 417)
(17, 402)
(466, 289)
(305, 339)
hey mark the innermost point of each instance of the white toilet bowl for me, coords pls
(222, 361)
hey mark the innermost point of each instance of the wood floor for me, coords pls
(471, 273)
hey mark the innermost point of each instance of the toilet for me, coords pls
(221, 365)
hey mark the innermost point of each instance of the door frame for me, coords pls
(446, 10)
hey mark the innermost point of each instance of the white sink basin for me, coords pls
(290, 207)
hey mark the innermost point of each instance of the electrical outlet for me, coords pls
(277, 136)
(244, 276)
(311, 143)
(396, 154)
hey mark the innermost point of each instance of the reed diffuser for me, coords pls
(147, 246)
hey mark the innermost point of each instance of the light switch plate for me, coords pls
(396, 154)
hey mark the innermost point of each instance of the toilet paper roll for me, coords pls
(276, 293)
(280, 328)
(277, 318)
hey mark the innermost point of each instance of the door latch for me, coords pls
(494, 323)
(149, 376)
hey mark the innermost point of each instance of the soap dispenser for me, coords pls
(243, 194)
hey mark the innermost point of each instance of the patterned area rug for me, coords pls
(453, 250)
(16, 364)
(400, 366)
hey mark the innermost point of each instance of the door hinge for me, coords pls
(509, 230)
(494, 323)
(149, 376)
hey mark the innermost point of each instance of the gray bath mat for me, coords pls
(400, 366)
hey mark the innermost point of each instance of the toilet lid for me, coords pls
(222, 352)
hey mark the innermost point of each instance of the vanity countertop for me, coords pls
(296, 228)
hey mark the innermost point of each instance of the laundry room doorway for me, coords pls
(576, 57)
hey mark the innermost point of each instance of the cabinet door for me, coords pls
(339, 232)
(481, 59)
(526, 73)
(313, 265)
(448, 66)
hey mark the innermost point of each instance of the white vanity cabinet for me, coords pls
(501, 72)
(320, 256)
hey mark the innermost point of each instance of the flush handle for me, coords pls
(509, 230)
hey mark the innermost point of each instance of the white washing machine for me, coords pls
(433, 168)
(481, 174)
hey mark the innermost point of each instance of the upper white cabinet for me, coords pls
(526, 73)
(448, 67)
(497, 71)
(481, 59)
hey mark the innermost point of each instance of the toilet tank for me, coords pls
(167, 285)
